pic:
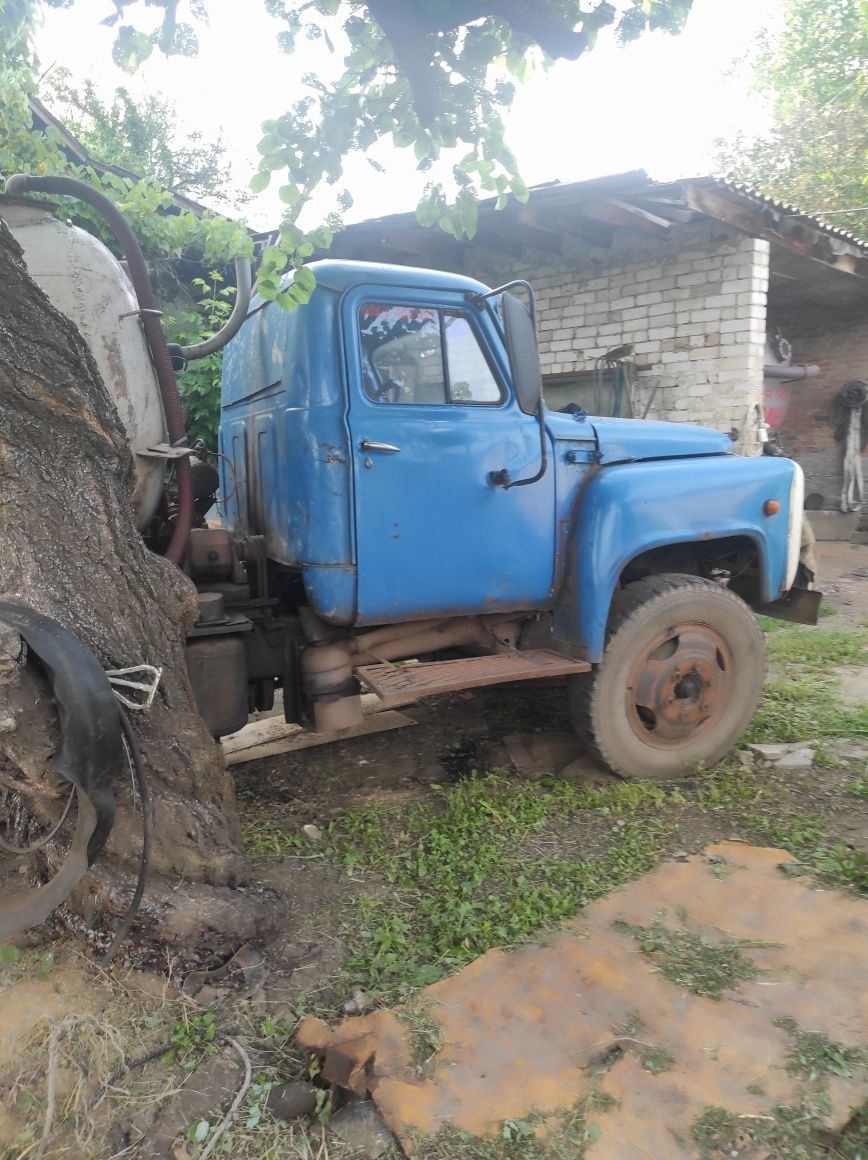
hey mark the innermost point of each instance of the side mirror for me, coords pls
(523, 354)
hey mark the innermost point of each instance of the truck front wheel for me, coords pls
(680, 679)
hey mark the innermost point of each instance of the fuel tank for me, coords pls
(87, 284)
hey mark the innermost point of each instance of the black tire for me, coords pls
(680, 679)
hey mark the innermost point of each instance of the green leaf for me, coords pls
(290, 235)
(322, 238)
(290, 195)
(520, 65)
(131, 48)
(9, 955)
(519, 190)
(260, 181)
(305, 279)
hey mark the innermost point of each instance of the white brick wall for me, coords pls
(693, 305)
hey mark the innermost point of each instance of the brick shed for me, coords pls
(700, 278)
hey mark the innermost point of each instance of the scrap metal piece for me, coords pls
(568, 1024)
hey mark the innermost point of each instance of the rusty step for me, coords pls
(394, 683)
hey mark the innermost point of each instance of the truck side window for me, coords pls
(413, 354)
(470, 377)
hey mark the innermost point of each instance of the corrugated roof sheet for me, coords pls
(786, 209)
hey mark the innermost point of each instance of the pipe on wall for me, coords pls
(791, 372)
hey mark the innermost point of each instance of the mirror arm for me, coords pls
(543, 454)
(501, 478)
(480, 300)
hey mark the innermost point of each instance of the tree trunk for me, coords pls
(69, 549)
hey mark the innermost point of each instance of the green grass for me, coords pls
(786, 1132)
(814, 650)
(833, 863)
(469, 871)
(813, 1055)
(423, 1031)
(800, 701)
(692, 960)
(265, 836)
(794, 1131)
(859, 788)
(564, 1135)
(655, 1060)
(192, 1036)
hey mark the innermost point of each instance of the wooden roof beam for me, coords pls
(567, 225)
(796, 235)
(370, 250)
(493, 239)
(625, 216)
(534, 236)
(431, 245)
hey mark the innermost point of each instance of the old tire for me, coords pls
(680, 679)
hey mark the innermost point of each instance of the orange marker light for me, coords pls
(771, 507)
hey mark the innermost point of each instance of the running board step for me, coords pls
(395, 684)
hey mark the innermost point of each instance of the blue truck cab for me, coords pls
(397, 491)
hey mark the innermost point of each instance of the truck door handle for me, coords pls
(372, 445)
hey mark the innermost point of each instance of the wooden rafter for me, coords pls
(370, 250)
(497, 239)
(794, 234)
(569, 225)
(430, 245)
(630, 217)
(538, 238)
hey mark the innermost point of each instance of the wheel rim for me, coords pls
(679, 686)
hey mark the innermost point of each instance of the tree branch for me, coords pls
(409, 29)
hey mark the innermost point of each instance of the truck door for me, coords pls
(431, 417)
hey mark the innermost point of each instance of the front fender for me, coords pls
(631, 508)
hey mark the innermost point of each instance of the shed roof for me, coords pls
(810, 258)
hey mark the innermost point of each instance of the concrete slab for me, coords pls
(834, 525)
(548, 1026)
(838, 558)
(853, 690)
(842, 574)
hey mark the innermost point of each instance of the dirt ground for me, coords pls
(105, 1063)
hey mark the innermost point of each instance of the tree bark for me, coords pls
(69, 549)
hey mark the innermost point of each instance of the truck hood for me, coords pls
(625, 440)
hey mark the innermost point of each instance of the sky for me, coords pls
(657, 104)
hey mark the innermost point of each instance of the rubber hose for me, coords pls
(243, 291)
(153, 328)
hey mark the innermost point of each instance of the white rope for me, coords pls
(853, 487)
(148, 687)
